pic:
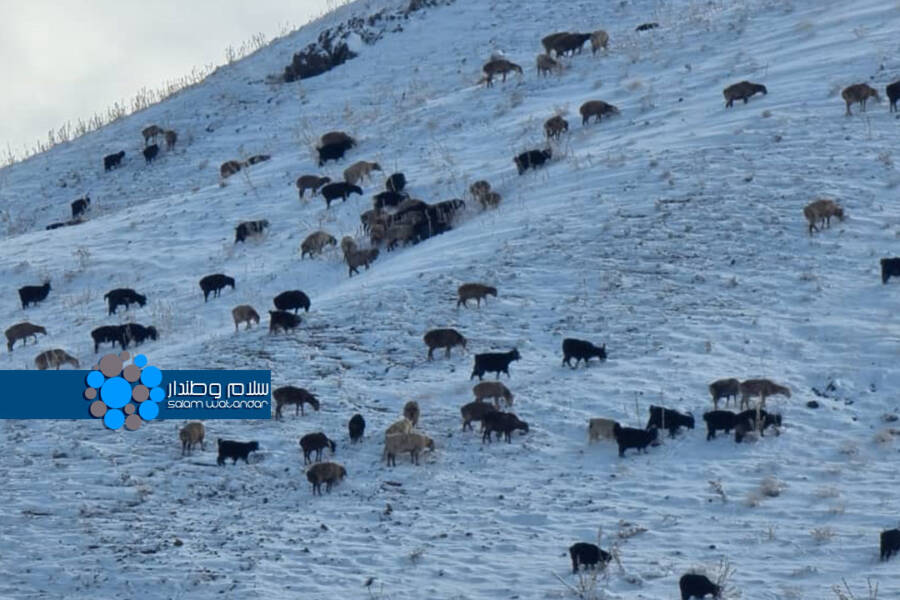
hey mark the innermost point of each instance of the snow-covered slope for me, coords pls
(673, 233)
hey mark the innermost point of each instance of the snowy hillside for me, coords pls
(673, 233)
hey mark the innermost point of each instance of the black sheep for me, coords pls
(151, 152)
(890, 267)
(581, 350)
(55, 226)
(395, 183)
(126, 296)
(292, 300)
(80, 206)
(745, 422)
(890, 543)
(389, 198)
(281, 319)
(333, 151)
(111, 161)
(665, 418)
(503, 423)
(893, 94)
(697, 586)
(215, 284)
(248, 229)
(32, 294)
(109, 333)
(258, 158)
(339, 189)
(570, 42)
(718, 419)
(532, 159)
(646, 26)
(630, 437)
(315, 442)
(356, 426)
(235, 450)
(137, 333)
(588, 555)
(494, 362)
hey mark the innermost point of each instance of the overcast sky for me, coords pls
(61, 60)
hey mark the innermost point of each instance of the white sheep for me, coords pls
(413, 443)
(404, 425)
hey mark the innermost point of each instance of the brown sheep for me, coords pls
(191, 434)
(601, 428)
(359, 258)
(244, 313)
(399, 232)
(499, 66)
(554, 127)
(328, 473)
(549, 41)
(724, 388)
(171, 138)
(493, 389)
(490, 200)
(475, 411)
(315, 243)
(479, 189)
(859, 92)
(348, 245)
(22, 331)
(229, 168)
(293, 395)
(546, 65)
(311, 182)
(411, 412)
(443, 338)
(761, 388)
(820, 211)
(474, 291)
(599, 39)
(742, 91)
(54, 359)
(151, 132)
(359, 171)
(596, 108)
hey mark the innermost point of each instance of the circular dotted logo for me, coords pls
(124, 394)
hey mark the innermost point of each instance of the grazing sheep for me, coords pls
(137, 333)
(359, 171)
(474, 291)
(356, 427)
(315, 442)
(494, 362)
(54, 359)
(109, 333)
(893, 94)
(493, 389)
(490, 200)
(32, 294)
(340, 189)
(337, 137)
(332, 152)
(499, 66)
(501, 422)
(554, 127)
(532, 159)
(475, 411)
(235, 450)
(229, 168)
(348, 245)
(890, 267)
(126, 296)
(762, 388)
(328, 473)
(190, 435)
(244, 313)
(581, 350)
(151, 132)
(479, 189)
(742, 90)
(359, 258)
(629, 437)
(601, 428)
(718, 419)
(404, 425)
(258, 158)
(665, 418)
(724, 388)
(113, 161)
(588, 555)
(171, 138)
(311, 182)
(820, 211)
(150, 153)
(293, 395)
(596, 108)
(292, 300)
(80, 206)
(399, 443)
(443, 338)
(411, 412)
(395, 183)
(859, 92)
(549, 41)
(599, 39)
(22, 331)
(385, 199)
(646, 26)
(283, 320)
(570, 43)
(315, 243)
(215, 283)
(249, 229)
(890, 543)
(546, 65)
(697, 586)
(756, 419)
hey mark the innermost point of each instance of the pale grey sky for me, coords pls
(61, 60)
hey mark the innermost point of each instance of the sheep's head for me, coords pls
(839, 213)
(253, 446)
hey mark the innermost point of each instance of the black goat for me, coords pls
(532, 159)
(494, 362)
(126, 296)
(357, 427)
(315, 442)
(893, 94)
(111, 161)
(395, 183)
(890, 267)
(581, 350)
(292, 300)
(235, 450)
(388, 198)
(745, 422)
(339, 189)
(665, 418)
(630, 437)
(890, 543)
(109, 333)
(501, 422)
(249, 228)
(80, 206)
(215, 284)
(333, 151)
(718, 420)
(32, 294)
(137, 333)
(570, 42)
(281, 319)
(151, 152)
(588, 555)
(697, 586)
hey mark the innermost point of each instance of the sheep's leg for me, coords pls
(448, 351)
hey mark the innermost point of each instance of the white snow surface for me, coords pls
(672, 233)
